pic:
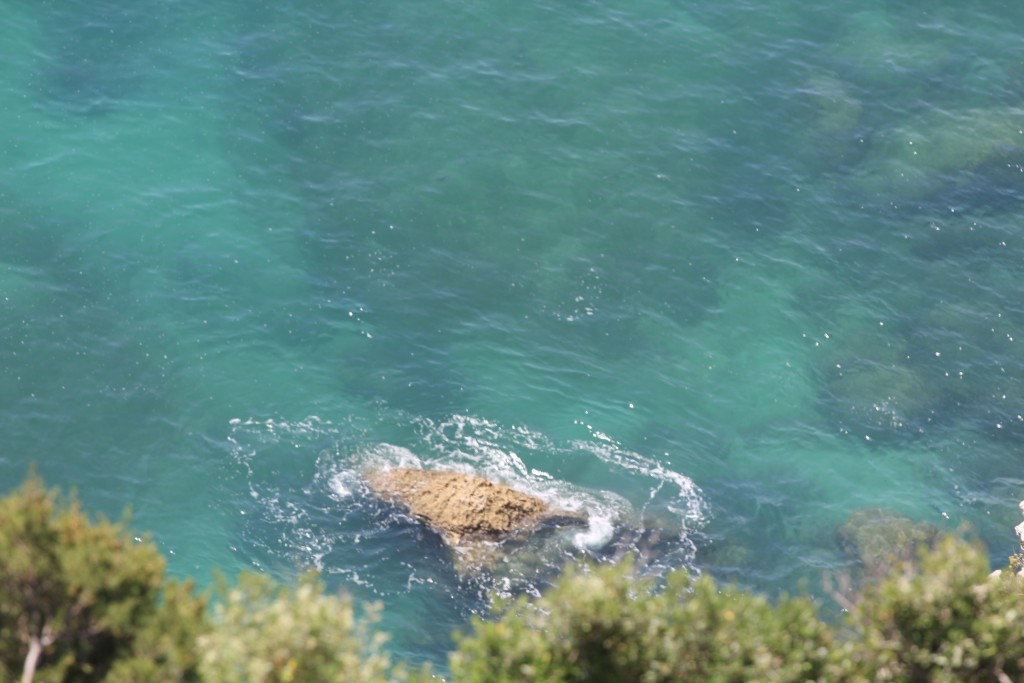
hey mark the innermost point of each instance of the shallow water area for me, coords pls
(717, 276)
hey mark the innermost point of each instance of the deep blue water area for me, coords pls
(717, 275)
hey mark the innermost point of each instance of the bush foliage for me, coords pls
(607, 625)
(80, 600)
(943, 619)
(266, 633)
(83, 601)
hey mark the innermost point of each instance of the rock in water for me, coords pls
(880, 538)
(465, 508)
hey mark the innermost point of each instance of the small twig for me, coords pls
(837, 592)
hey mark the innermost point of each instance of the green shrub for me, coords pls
(82, 601)
(267, 633)
(609, 625)
(943, 619)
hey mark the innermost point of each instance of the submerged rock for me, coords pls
(941, 153)
(472, 514)
(881, 538)
(881, 398)
(832, 125)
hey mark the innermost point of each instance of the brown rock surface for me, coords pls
(464, 507)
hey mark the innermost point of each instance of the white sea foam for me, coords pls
(599, 532)
(342, 484)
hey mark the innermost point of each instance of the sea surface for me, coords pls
(716, 274)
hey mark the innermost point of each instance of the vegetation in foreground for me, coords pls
(81, 600)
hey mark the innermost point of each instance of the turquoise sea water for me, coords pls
(718, 275)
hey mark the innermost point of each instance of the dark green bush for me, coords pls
(82, 601)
